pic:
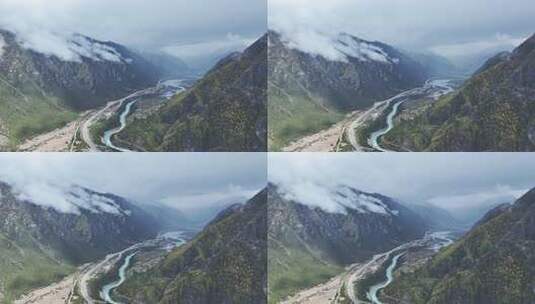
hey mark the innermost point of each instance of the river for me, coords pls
(433, 88)
(372, 294)
(169, 89)
(167, 241)
(106, 290)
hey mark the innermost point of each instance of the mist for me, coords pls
(189, 182)
(462, 183)
(454, 29)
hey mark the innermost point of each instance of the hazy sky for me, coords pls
(186, 27)
(454, 181)
(188, 181)
(448, 27)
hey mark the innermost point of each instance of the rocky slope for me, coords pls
(309, 92)
(493, 263)
(493, 111)
(224, 111)
(41, 244)
(41, 91)
(225, 263)
(308, 245)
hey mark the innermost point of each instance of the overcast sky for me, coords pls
(186, 27)
(188, 181)
(454, 181)
(447, 27)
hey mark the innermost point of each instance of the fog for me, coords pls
(190, 182)
(173, 26)
(461, 183)
(451, 28)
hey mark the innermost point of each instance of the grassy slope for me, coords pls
(24, 269)
(292, 117)
(27, 112)
(294, 269)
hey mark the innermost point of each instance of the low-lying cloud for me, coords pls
(185, 181)
(453, 181)
(444, 27)
(47, 26)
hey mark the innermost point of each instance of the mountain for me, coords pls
(493, 111)
(41, 244)
(436, 65)
(168, 66)
(492, 263)
(307, 245)
(309, 92)
(41, 91)
(225, 263)
(436, 217)
(224, 111)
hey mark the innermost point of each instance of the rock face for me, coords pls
(106, 72)
(493, 263)
(307, 244)
(493, 111)
(80, 237)
(39, 245)
(304, 86)
(39, 92)
(224, 111)
(225, 263)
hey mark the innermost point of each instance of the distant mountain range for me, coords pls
(492, 263)
(492, 111)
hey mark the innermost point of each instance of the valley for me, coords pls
(80, 287)
(77, 136)
(352, 134)
(342, 288)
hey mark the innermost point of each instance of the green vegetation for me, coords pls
(491, 264)
(27, 112)
(364, 285)
(224, 111)
(291, 270)
(293, 117)
(24, 269)
(493, 111)
(225, 263)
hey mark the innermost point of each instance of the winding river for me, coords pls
(434, 89)
(107, 289)
(122, 121)
(372, 294)
(170, 88)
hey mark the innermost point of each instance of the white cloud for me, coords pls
(448, 180)
(192, 203)
(192, 51)
(494, 44)
(418, 25)
(478, 199)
